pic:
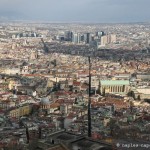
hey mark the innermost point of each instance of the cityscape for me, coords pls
(74, 85)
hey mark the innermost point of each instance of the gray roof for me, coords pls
(45, 101)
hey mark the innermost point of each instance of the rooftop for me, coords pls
(75, 142)
(114, 82)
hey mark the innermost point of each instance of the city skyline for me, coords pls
(96, 11)
(74, 85)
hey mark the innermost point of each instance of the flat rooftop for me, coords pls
(114, 82)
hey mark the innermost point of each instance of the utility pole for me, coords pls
(89, 101)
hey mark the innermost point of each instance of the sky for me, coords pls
(97, 11)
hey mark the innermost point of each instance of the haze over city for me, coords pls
(100, 11)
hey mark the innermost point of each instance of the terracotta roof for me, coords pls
(60, 101)
(109, 101)
(75, 83)
(84, 86)
(54, 105)
(32, 75)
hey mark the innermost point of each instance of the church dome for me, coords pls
(45, 101)
(25, 63)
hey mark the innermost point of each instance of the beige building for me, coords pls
(13, 84)
(141, 93)
(108, 39)
(33, 55)
(21, 111)
(12, 71)
(114, 86)
(113, 38)
(104, 40)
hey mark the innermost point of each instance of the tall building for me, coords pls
(82, 38)
(68, 35)
(89, 38)
(104, 40)
(85, 38)
(76, 38)
(113, 38)
(108, 39)
(100, 33)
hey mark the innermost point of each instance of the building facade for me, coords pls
(114, 86)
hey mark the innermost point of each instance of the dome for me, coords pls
(132, 79)
(15, 96)
(45, 101)
(25, 63)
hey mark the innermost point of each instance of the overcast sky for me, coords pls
(101, 11)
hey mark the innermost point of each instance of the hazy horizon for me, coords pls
(79, 11)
